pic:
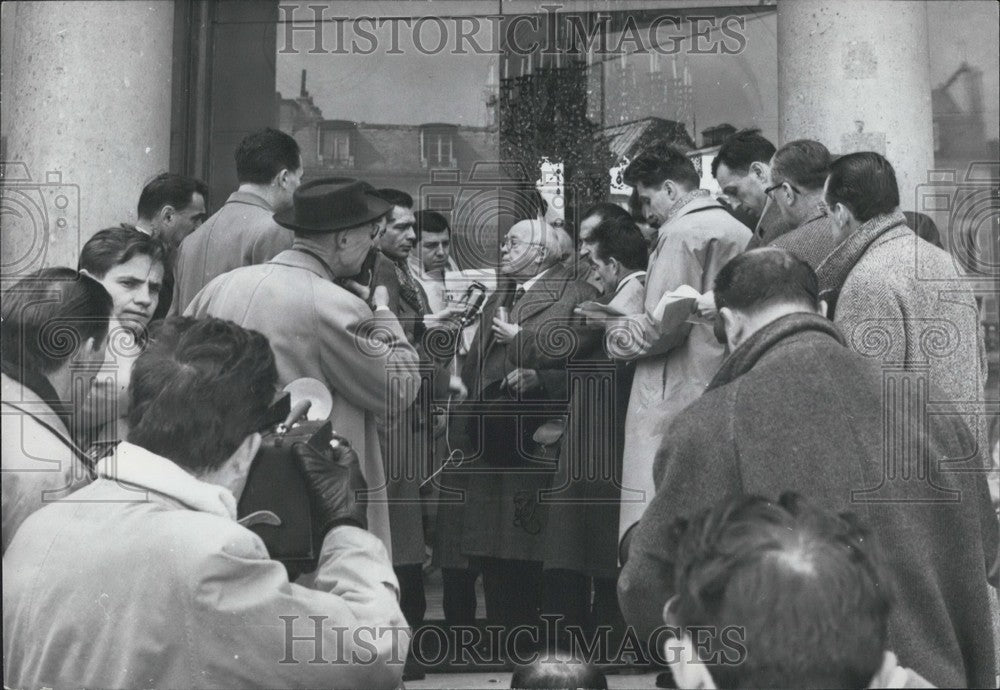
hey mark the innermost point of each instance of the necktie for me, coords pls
(518, 294)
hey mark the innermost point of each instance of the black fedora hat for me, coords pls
(330, 204)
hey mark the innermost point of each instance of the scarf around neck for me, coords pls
(684, 201)
(833, 271)
(749, 352)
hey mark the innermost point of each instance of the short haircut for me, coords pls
(47, 315)
(429, 221)
(605, 210)
(169, 189)
(621, 239)
(661, 162)
(558, 673)
(396, 197)
(263, 154)
(112, 246)
(808, 588)
(865, 183)
(762, 277)
(803, 162)
(741, 149)
(199, 389)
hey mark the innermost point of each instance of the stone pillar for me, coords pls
(86, 116)
(854, 75)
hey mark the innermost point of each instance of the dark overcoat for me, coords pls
(506, 467)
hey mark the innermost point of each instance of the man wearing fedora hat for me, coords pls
(319, 329)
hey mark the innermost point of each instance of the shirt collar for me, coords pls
(631, 276)
(137, 466)
(251, 198)
(526, 285)
(144, 231)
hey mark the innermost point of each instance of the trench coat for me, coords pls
(506, 469)
(321, 330)
(144, 579)
(673, 369)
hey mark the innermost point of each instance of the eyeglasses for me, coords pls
(514, 243)
(767, 192)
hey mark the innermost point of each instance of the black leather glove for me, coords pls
(337, 488)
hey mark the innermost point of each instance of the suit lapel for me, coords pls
(548, 290)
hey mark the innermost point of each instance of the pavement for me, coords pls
(494, 681)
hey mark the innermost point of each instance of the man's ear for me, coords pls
(824, 308)
(166, 213)
(761, 172)
(733, 324)
(247, 451)
(282, 177)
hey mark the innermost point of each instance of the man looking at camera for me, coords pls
(146, 579)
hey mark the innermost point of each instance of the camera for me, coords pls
(36, 216)
(275, 501)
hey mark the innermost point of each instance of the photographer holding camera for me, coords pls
(146, 579)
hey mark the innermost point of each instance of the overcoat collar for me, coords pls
(750, 351)
(137, 466)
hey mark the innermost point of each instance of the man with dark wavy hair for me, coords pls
(792, 409)
(146, 579)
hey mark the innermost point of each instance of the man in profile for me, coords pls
(42, 314)
(243, 231)
(742, 169)
(171, 207)
(157, 532)
(322, 330)
(792, 409)
(798, 173)
(696, 236)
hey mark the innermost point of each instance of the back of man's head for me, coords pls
(199, 389)
(807, 589)
(113, 246)
(48, 315)
(763, 278)
(169, 189)
(263, 154)
(605, 210)
(660, 162)
(865, 183)
(804, 163)
(620, 239)
(741, 149)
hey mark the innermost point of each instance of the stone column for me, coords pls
(854, 75)
(86, 113)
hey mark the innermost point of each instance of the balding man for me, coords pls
(511, 423)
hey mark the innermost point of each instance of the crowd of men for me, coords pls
(590, 455)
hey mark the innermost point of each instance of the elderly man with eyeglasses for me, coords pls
(798, 171)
